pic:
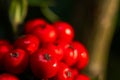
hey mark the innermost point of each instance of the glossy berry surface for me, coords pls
(31, 24)
(64, 30)
(82, 77)
(57, 48)
(6, 76)
(64, 73)
(16, 61)
(83, 57)
(28, 42)
(44, 64)
(45, 33)
(70, 55)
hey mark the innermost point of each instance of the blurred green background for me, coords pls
(79, 13)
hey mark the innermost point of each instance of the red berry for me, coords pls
(64, 73)
(57, 48)
(4, 41)
(64, 30)
(6, 76)
(83, 55)
(82, 77)
(44, 64)
(4, 49)
(45, 33)
(70, 55)
(28, 42)
(16, 61)
(30, 25)
(75, 72)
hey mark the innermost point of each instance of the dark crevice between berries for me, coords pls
(70, 46)
(47, 56)
(14, 54)
(56, 44)
(43, 26)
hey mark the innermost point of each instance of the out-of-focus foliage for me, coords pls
(17, 11)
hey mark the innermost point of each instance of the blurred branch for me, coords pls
(97, 20)
(17, 13)
(49, 14)
(105, 27)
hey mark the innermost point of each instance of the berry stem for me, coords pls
(47, 56)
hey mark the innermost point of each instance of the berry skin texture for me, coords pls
(82, 77)
(30, 25)
(64, 73)
(16, 61)
(83, 57)
(6, 76)
(44, 64)
(28, 42)
(64, 30)
(70, 55)
(45, 33)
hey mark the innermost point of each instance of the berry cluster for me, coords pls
(49, 50)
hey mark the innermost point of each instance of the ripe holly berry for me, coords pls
(75, 72)
(6, 76)
(4, 49)
(46, 33)
(57, 49)
(16, 61)
(64, 73)
(2, 41)
(30, 25)
(70, 55)
(82, 56)
(64, 30)
(28, 42)
(44, 64)
(82, 77)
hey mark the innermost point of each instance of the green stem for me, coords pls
(50, 15)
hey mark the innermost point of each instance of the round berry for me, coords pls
(28, 42)
(44, 64)
(31, 24)
(45, 33)
(64, 30)
(16, 61)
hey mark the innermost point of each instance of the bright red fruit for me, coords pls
(16, 61)
(57, 48)
(28, 42)
(2, 41)
(45, 33)
(82, 77)
(64, 30)
(83, 55)
(4, 49)
(30, 25)
(6, 76)
(44, 64)
(70, 55)
(75, 72)
(64, 73)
